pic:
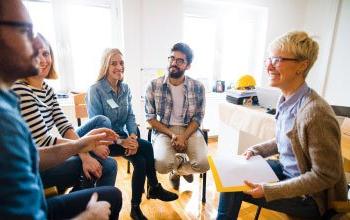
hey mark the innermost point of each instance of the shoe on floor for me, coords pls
(136, 213)
(174, 180)
(158, 192)
(188, 178)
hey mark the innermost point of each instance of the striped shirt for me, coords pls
(41, 111)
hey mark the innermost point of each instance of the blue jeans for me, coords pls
(301, 207)
(70, 205)
(68, 173)
(143, 162)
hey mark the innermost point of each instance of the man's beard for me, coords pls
(11, 67)
(175, 74)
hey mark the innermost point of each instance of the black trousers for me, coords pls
(70, 205)
(143, 162)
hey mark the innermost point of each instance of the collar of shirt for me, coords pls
(108, 88)
(288, 104)
(167, 83)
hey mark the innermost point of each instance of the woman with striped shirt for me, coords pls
(41, 111)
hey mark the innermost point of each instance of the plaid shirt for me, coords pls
(159, 103)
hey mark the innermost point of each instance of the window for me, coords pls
(227, 39)
(200, 35)
(77, 38)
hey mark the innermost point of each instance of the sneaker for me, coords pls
(181, 158)
(136, 213)
(158, 192)
(188, 178)
(174, 180)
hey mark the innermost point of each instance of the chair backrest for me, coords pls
(80, 107)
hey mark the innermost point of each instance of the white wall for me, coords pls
(337, 88)
(320, 22)
(151, 27)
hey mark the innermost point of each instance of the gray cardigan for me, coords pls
(315, 139)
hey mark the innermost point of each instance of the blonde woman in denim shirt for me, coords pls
(111, 97)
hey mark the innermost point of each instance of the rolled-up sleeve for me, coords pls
(150, 107)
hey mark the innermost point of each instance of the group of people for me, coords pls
(32, 158)
(85, 151)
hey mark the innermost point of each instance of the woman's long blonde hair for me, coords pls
(106, 59)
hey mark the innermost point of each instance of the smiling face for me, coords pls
(45, 59)
(116, 68)
(286, 73)
(177, 64)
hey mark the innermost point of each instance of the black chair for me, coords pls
(341, 110)
(203, 176)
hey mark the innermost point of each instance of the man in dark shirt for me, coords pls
(21, 192)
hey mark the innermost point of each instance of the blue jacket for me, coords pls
(102, 100)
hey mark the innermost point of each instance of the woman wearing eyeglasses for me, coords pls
(111, 96)
(307, 140)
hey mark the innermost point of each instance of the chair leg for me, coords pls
(204, 188)
(149, 135)
(257, 213)
(128, 169)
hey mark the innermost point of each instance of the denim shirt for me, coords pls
(21, 190)
(285, 117)
(122, 117)
(159, 102)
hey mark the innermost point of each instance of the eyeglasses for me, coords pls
(178, 61)
(25, 27)
(275, 61)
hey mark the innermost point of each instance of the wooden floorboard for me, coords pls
(189, 205)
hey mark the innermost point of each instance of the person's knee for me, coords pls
(102, 121)
(110, 166)
(116, 194)
(200, 166)
(112, 195)
(163, 166)
(139, 162)
(146, 147)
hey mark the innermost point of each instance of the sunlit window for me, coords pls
(227, 39)
(79, 32)
(200, 35)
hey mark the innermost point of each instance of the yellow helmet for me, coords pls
(245, 82)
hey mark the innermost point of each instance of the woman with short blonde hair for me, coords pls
(310, 167)
(298, 44)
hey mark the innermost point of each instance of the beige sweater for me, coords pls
(315, 139)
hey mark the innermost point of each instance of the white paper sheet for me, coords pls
(233, 170)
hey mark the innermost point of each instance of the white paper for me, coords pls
(233, 170)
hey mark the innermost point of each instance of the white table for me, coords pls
(241, 127)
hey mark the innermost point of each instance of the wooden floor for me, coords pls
(189, 205)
